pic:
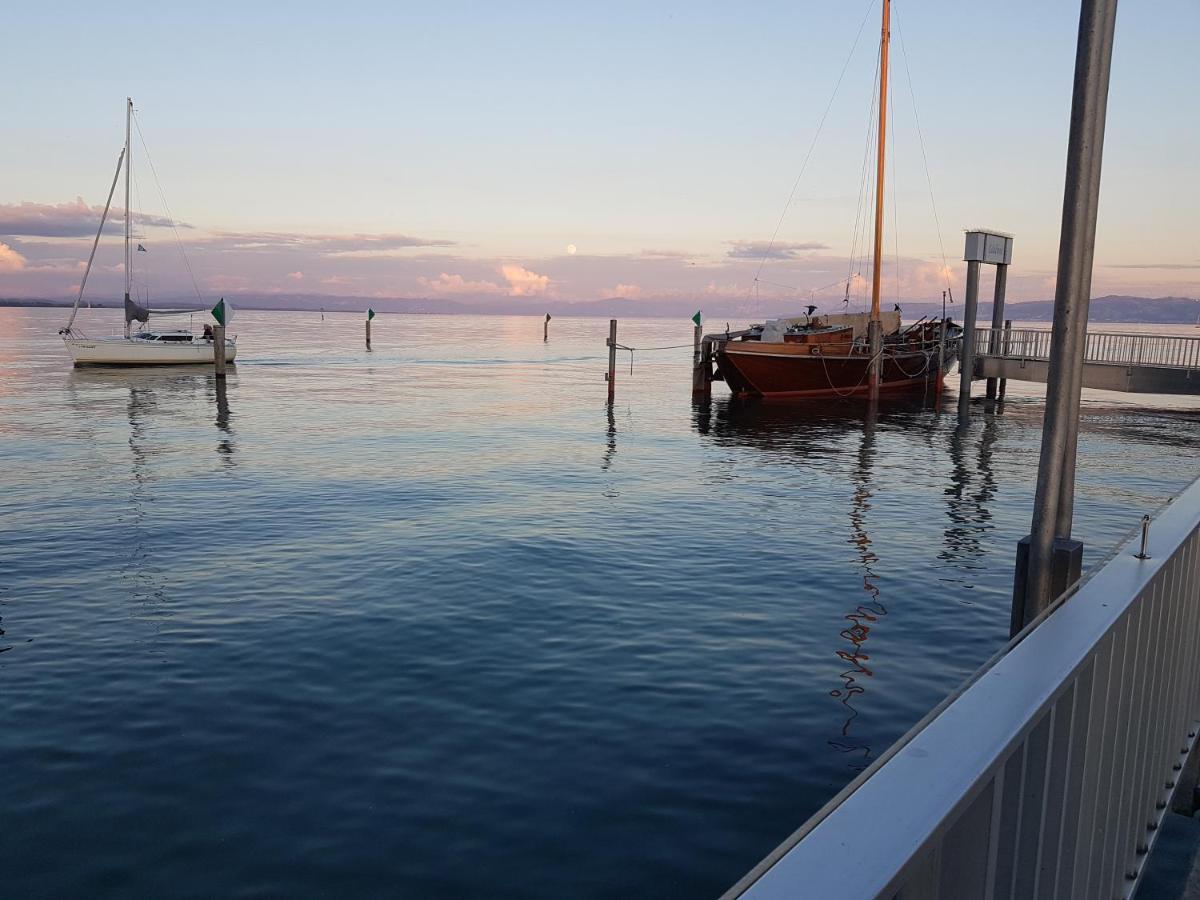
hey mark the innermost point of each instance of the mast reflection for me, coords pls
(870, 610)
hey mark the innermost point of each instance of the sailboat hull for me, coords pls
(791, 371)
(121, 351)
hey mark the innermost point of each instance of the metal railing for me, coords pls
(1048, 773)
(1115, 348)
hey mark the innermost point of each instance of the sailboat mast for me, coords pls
(128, 213)
(875, 330)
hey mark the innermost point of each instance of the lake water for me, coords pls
(432, 620)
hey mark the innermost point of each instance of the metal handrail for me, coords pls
(1109, 348)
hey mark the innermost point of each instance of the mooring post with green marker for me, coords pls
(221, 313)
(370, 316)
(701, 367)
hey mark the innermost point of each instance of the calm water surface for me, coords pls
(432, 621)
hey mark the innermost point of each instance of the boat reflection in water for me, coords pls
(838, 460)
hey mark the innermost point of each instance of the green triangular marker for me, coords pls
(218, 311)
(370, 314)
(696, 318)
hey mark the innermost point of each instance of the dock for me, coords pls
(1112, 361)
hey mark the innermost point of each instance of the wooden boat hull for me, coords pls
(780, 371)
(120, 351)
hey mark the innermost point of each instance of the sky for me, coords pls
(582, 151)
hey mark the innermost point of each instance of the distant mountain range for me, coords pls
(1158, 310)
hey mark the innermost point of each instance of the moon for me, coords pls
(571, 249)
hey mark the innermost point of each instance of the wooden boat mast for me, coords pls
(874, 330)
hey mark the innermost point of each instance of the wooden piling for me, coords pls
(219, 350)
(612, 359)
(701, 363)
(546, 328)
(368, 334)
(1005, 346)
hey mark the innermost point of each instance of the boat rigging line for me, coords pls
(807, 156)
(170, 218)
(924, 158)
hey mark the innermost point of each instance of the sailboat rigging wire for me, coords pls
(95, 243)
(924, 158)
(813, 144)
(895, 194)
(865, 186)
(167, 209)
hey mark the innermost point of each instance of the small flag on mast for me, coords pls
(370, 314)
(696, 318)
(141, 249)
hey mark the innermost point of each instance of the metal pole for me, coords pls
(219, 351)
(1056, 467)
(128, 212)
(997, 320)
(967, 356)
(612, 359)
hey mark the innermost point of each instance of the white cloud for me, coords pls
(296, 276)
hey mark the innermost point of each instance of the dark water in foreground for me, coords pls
(431, 621)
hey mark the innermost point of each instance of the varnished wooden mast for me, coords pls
(875, 330)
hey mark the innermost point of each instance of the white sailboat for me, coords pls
(143, 346)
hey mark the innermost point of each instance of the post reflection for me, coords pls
(969, 496)
(226, 443)
(610, 443)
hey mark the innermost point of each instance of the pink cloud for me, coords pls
(524, 283)
(10, 259)
(296, 276)
(446, 284)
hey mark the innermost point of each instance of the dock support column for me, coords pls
(1053, 504)
(611, 376)
(967, 355)
(997, 319)
(219, 351)
(1005, 349)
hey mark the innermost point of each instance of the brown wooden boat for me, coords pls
(844, 356)
(825, 361)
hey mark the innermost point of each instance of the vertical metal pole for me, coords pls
(967, 356)
(219, 351)
(997, 319)
(612, 359)
(1056, 468)
(1005, 348)
(128, 212)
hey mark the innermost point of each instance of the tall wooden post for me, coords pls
(368, 334)
(700, 373)
(546, 328)
(612, 359)
(219, 350)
